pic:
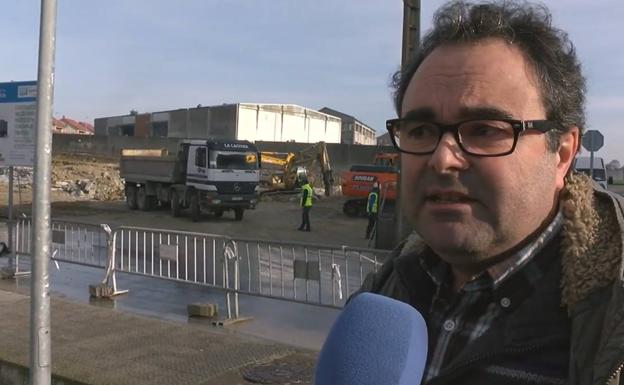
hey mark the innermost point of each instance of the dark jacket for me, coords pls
(583, 291)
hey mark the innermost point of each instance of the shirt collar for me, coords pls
(439, 271)
(506, 268)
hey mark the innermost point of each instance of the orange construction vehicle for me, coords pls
(358, 182)
(386, 159)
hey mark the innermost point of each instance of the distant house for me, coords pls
(71, 126)
(353, 131)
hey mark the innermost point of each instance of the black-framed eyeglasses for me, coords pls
(478, 137)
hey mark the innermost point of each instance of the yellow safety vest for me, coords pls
(308, 201)
(374, 197)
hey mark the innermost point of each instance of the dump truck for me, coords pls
(204, 174)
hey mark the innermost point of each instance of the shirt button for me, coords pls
(449, 325)
(505, 302)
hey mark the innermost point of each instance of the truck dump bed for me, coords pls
(150, 165)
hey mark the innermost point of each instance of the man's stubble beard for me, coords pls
(493, 230)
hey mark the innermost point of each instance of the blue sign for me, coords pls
(18, 92)
(18, 109)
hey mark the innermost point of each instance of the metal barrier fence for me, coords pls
(314, 274)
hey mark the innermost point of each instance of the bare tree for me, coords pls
(613, 165)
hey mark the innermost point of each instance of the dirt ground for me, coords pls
(275, 218)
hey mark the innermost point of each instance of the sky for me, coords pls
(152, 55)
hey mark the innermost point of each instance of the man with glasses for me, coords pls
(515, 262)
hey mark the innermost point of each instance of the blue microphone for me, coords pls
(376, 340)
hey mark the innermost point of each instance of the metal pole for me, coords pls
(591, 164)
(591, 157)
(11, 244)
(40, 341)
(411, 42)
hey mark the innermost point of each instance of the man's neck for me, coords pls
(463, 274)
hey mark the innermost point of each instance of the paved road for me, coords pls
(617, 188)
(281, 321)
(97, 346)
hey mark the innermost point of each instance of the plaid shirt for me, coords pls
(456, 319)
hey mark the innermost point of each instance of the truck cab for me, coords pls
(226, 174)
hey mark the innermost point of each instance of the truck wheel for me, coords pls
(175, 204)
(195, 209)
(238, 214)
(218, 213)
(143, 201)
(131, 197)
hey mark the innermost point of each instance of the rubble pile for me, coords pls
(79, 176)
(103, 187)
(89, 178)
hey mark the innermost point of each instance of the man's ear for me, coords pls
(569, 143)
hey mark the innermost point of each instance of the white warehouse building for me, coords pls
(242, 121)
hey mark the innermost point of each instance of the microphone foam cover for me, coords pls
(376, 340)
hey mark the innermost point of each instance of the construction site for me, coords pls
(89, 187)
(174, 255)
(311, 271)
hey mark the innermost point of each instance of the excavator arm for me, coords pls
(294, 164)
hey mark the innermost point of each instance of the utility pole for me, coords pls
(411, 40)
(411, 30)
(40, 339)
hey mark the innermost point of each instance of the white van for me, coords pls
(583, 163)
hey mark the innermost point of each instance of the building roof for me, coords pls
(343, 116)
(339, 114)
(76, 125)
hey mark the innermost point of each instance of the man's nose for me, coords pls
(448, 156)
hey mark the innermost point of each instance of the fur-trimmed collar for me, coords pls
(591, 244)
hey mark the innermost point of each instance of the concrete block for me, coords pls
(100, 291)
(202, 310)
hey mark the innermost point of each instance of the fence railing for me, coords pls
(317, 274)
(300, 272)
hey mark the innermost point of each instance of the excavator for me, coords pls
(386, 159)
(358, 182)
(287, 169)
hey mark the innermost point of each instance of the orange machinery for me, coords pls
(358, 182)
(386, 159)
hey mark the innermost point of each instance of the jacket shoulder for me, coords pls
(386, 280)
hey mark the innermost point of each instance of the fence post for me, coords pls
(336, 276)
(16, 237)
(108, 287)
(230, 253)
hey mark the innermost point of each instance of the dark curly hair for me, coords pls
(529, 27)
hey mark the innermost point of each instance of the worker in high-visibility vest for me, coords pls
(306, 205)
(372, 206)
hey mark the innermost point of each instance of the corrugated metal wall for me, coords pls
(253, 122)
(142, 126)
(223, 121)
